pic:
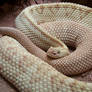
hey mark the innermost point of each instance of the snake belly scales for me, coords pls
(31, 74)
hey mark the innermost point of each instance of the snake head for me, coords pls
(57, 52)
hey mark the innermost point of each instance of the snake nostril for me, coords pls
(54, 53)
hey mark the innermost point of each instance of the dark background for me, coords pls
(28, 2)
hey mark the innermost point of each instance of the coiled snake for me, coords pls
(29, 73)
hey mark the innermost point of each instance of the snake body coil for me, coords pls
(30, 74)
(39, 22)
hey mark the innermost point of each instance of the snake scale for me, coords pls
(39, 22)
(29, 73)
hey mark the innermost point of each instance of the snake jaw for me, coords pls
(57, 52)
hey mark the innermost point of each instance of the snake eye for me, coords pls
(58, 52)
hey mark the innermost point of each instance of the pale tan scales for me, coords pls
(75, 35)
(54, 19)
(30, 74)
(73, 29)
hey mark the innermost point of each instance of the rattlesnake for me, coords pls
(30, 74)
(39, 22)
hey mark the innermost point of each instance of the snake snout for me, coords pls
(57, 52)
